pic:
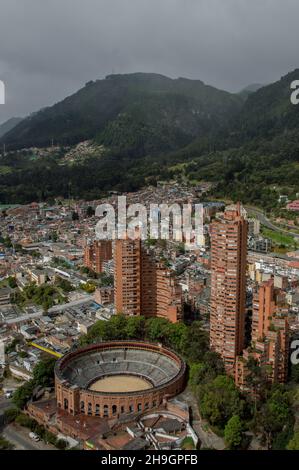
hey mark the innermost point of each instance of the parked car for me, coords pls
(34, 436)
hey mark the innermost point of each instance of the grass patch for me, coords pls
(5, 170)
(278, 237)
(5, 444)
(188, 444)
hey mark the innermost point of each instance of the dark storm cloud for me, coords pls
(50, 48)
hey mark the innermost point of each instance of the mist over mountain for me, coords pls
(8, 125)
(248, 90)
(143, 128)
(138, 113)
(269, 110)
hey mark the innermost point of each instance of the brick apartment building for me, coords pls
(144, 285)
(97, 254)
(269, 329)
(270, 336)
(228, 284)
(293, 206)
(127, 276)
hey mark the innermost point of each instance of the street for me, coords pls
(267, 223)
(4, 403)
(208, 439)
(19, 437)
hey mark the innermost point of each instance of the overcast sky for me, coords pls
(50, 48)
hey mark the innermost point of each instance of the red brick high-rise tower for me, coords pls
(96, 254)
(142, 284)
(127, 276)
(228, 284)
(270, 337)
(264, 308)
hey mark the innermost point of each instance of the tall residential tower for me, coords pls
(97, 254)
(228, 284)
(144, 285)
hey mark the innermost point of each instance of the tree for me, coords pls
(23, 394)
(43, 373)
(96, 332)
(10, 415)
(294, 442)
(219, 400)
(54, 237)
(177, 336)
(88, 287)
(12, 346)
(12, 282)
(7, 242)
(135, 328)
(196, 373)
(25, 421)
(197, 342)
(5, 444)
(116, 329)
(60, 444)
(41, 431)
(105, 280)
(188, 444)
(65, 285)
(275, 415)
(157, 329)
(233, 432)
(90, 212)
(295, 372)
(207, 370)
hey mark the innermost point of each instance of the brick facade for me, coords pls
(77, 401)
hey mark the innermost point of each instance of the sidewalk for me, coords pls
(207, 437)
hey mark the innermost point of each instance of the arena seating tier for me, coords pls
(155, 367)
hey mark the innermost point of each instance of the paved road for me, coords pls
(267, 223)
(4, 403)
(75, 303)
(19, 437)
(207, 438)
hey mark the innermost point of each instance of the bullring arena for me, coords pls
(117, 378)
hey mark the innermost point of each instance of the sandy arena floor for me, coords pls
(120, 383)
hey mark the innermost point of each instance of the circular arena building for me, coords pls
(117, 378)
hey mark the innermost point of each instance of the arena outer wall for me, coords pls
(71, 398)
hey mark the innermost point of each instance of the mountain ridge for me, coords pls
(8, 125)
(104, 109)
(249, 151)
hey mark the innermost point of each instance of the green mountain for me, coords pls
(245, 92)
(179, 129)
(135, 114)
(9, 125)
(269, 110)
(258, 158)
